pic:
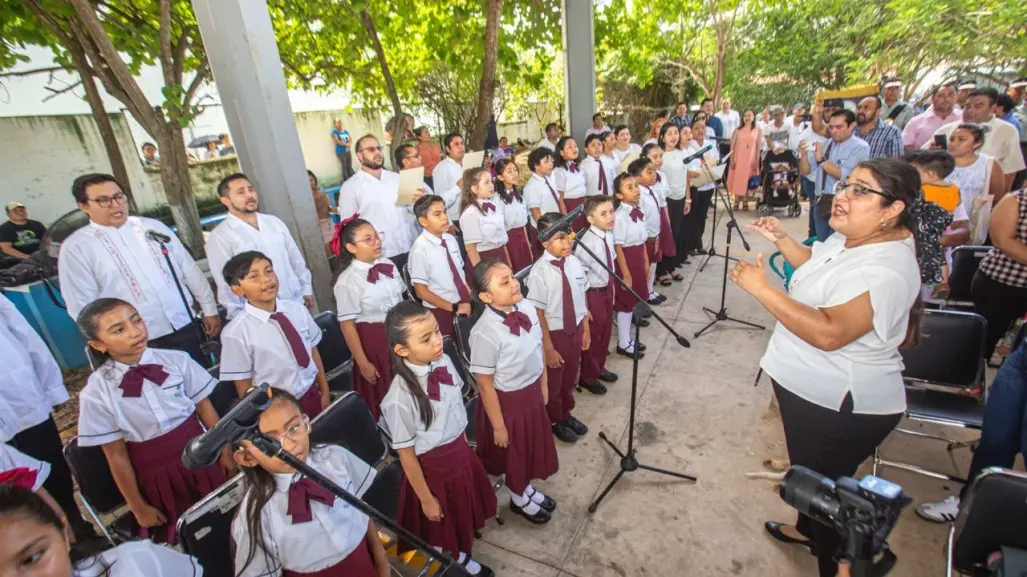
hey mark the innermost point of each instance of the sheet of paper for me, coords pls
(627, 160)
(409, 181)
(473, 160)
(703, 180)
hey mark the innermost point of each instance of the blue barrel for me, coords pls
(58, 330)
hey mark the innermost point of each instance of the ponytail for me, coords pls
(397, 326)
(345, 233)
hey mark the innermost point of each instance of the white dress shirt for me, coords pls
(590, 168)
(375, 200)
(403, 418)
(711, 157)
(270, 237)
(515, 214)
(619, 155)
(627, 232)
(730, 121)
(31, 383)
(595, 239)
(105, 415)
(540, 193)
(514, 361)
(363, 302)
(571, 183)
(870, 368)
(545, 289)
(428, 265)
(650, 208)
(677, 173)
(254, 347)
(102, 261)
(446, 174)
(611, 167)
(546, 143)
(487, 231)
(136, 558)
(11, 459)
(329, 537)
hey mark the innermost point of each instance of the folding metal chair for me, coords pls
(945, 381)
(347, 422)
(993, 513)
(463, 367)
(100, 495)
(223, 396)
(205, 529)
(335, 353)
(965, 261)
(404, 273)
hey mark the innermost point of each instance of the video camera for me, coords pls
(863, 512)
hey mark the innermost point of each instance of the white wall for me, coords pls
(315, 130)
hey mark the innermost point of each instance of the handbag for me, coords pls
(755, 181)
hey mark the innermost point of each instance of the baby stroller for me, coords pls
(780, 175)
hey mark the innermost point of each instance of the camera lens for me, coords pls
(810, 493)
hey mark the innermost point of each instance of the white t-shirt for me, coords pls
(870, 368)
(810, 137)
(795, 132)
(730, 121)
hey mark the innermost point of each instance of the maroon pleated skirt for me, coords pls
(310, 402)
(531, 453)
(457, 479)
(571, 203)
(634, 256)
(536, 246)
(667, 247)
(652, 250)
(376, 349)
(445, 320)
(165, 482)
(519, 248)
(359, 563)
(491, 254)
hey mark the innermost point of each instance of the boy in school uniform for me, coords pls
(272, 340)
(436, 266)
(556, 286)
(540, 195)
(596, 179)
(599, 295)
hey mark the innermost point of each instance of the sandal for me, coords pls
(665, 280)
(677, 277)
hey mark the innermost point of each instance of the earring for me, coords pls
(882, 226)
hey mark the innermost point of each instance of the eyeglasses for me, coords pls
(293, 433)
(857, 190)
(370, 239)
(107, 201)
(370, 149)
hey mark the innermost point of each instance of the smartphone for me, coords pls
(941, 141)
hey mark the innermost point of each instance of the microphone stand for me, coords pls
(207, 346)
(712, 252)
(721, 315)
(628, 460)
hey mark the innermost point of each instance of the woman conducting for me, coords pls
(834, 354)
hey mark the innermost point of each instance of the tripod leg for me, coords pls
(595, 504)
(603, 437)
(669, 473)
(706, 328)
(747, 323)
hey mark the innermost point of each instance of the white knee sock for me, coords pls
(524, 503)
(624, 330)
(472, 566)
(652, 280)
(536, 496)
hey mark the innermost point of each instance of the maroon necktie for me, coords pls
(572, 166)
(382, 268)
(603, 186)
(556, 198)
(461, 286)
(488, 207)
(132, 382)
(636, 215)
(569, 325)
(299, 349)
(437, 377)
(517, 321)
(658, 177)
(301, 493)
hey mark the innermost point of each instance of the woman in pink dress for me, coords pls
(745, 153)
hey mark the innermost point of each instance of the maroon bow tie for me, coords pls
(517, 321)
(514, 194)
(488, 207)
(301, 493)
(438, 376)
(658, 179)
(636, 215)
(382, 268)
(132, 382)
(572, 166)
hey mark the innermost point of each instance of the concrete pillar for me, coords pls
(240, 45)
(579, 66)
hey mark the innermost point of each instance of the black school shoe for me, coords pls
(596, 389)
(577, 426)
(630, 355)
(564, 433)
(547, 503)
(485, 571)
(608, 376)
(540, 518)
(642, 323)
(654, 301)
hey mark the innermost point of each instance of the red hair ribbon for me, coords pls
(20, 477)
(336, 244)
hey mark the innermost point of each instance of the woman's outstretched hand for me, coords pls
(768, 227)
(750, 277)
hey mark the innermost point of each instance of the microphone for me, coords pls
(698, 154)
(564, 223)
(243, 418)
(159, 237)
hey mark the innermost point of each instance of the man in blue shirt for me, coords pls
(681, 117)
(885, 140)
(711, 120)
(341, 139)
(832, 164)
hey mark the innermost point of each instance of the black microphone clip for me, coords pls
(157, 236)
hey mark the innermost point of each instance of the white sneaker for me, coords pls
(940, 512)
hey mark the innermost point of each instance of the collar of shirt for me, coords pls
(435, 240)
(537, 176)
(362, 266)
(234, 221)
(147, 358)
(501, 314)
(597, 231)
(421, 371)
(110, 229)
(549, 257)
(261, 314)
(627, 208)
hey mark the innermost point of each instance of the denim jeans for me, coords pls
(1005, 431)
(809, 192)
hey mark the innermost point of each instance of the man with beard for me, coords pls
(885, 140)
(942, 111)
(372, 193)
(245, 229)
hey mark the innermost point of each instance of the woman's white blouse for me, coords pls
(870, 368)
(677, 173)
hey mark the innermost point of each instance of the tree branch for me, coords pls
(201, 74)
(44, 70)
(56, 93)
(167, 62)
(47, 21)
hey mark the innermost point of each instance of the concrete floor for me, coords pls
(698, 412)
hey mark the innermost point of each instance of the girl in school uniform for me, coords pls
(629, 238)
(514, 435)
(661, 188)
(446, 495)
(482, 222)
(34, 542)
(368, 287)
(569, 179)
(142, 406)
(642, 170)
(515, 214)
(289, 526)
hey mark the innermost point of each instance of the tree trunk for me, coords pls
(174, 175)
(487, 89)
(390, 85)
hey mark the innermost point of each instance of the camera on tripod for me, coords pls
(863, 512)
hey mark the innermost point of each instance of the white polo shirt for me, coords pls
(514, 361)
(590, 168)
(359, 300)
(572, 184)
(595, 240)
(136, 558)
(540, 193)
(650, 208)
(627, 232)
(545, 288)
(486, 230)
(375, 200)
(515, 214)
(428, 265)
(399, 407)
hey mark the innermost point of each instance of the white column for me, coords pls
(579, 66)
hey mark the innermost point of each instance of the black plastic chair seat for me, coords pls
(471, 407)
(955, 409)
(205, 529)
(333, 349)
(450, 349)
(383, 494)
(340, 379)
(993, 513)
(965, 261)
(348, 423)
(125, 528)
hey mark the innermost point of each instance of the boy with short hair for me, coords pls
(436, 266)
(539, 194)
(556, 286)
(272, 340)
(598, 238)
